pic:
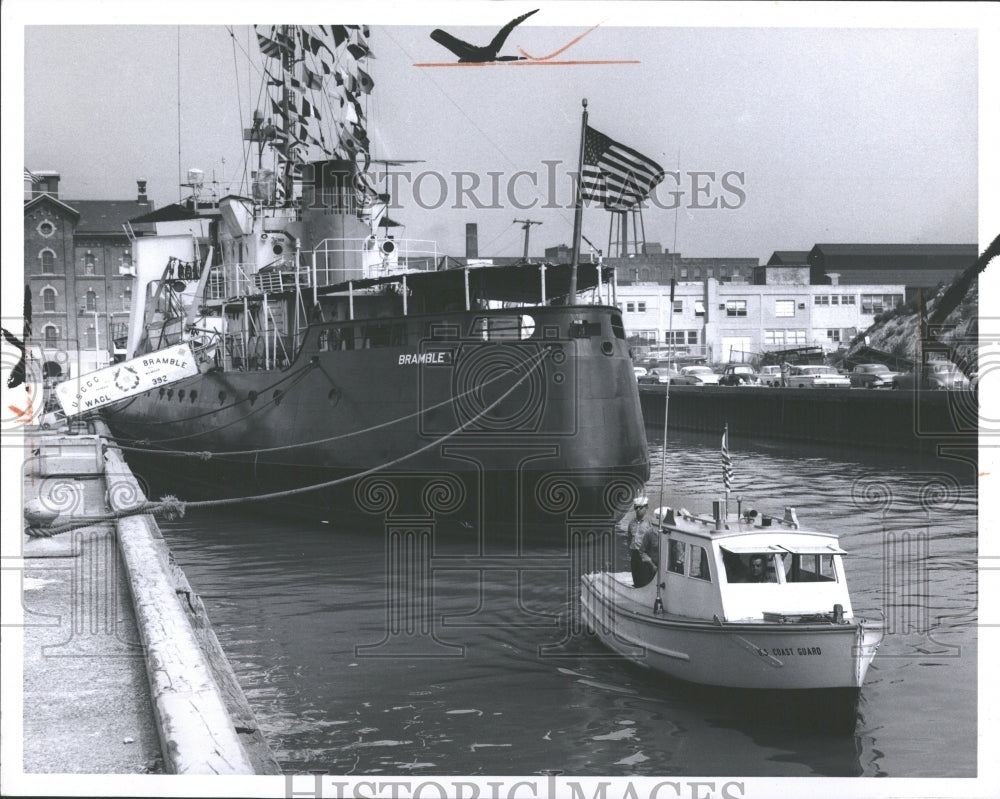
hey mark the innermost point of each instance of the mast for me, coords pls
(287, 56)
(578, 215)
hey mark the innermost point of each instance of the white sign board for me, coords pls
(126, 379)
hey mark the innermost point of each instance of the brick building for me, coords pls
(78, 266)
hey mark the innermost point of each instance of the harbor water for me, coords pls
(501, 687)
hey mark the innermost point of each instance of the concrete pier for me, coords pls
(122, 671)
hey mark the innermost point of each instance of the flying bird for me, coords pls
(470, 54)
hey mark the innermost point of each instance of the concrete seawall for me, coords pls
(153, 632)
(850, 418)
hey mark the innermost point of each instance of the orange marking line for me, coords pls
(560, 50)
(523, 63)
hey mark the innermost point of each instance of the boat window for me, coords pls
(443, 331)
(329, 339)
(498, 328)
(400, 334)
(677, 553)
(617, 326)
(378, 334)
(583, 329)
(812, 568)
(749, 567)
(699, 563)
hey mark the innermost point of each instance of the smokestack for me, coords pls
(142, 198)
(471, 240)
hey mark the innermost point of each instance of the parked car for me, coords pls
(770, 376)
(739, 374)
(640, 371)
(661, 375)
(934, 376)
(817, 377)
(700, 375)
(872, 375)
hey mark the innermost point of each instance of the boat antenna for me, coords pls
(666, 396)
(658, 604)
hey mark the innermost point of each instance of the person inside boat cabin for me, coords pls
(642, 545)
(758, 570)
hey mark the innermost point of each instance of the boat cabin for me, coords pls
(749, 567)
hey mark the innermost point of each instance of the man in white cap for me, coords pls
(642, 544)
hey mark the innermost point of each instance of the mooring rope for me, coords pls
(208, 454)
(169, 507)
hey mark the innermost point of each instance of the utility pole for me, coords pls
(526, 227)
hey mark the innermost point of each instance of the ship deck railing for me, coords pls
(338, 260)
(332, 262)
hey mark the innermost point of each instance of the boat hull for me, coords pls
(785, 657)
(501, 433)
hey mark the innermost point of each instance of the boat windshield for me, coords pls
(750, 567)
(809, 568)
(794, 567)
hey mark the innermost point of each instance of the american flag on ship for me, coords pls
(616, 175)
(727, 462)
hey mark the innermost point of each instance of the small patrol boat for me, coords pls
(743, 601)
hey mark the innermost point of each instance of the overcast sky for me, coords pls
(831, 134)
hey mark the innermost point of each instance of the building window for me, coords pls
(127, 297)
(90, 338)
(795, 336)
(723, 271)
(46, 228)
(91, 305)
(640, 307)
(90, 263)
(833, 335)
(630, 307)
(51, 335)
(879, 303)
(699, 308)
(784, 307)
(678, 306)
(823, 299)
(849, 299)
(684, 273)
(48, 259)
(692, 337)
(48, 300)
(709, 272)
(697, 272)
(774, 337)
(736, 307)
(126, 258)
